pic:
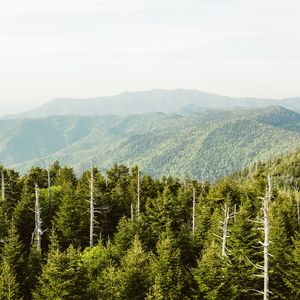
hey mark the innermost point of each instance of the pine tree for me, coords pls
(211, 273)
(64, 177)
(9, 287)
(12, 258)
(243, 253)
(72, 220)
(166, 271)
(291, 276)
(24, 216)
(134, 273)
(280, 248)
(63, 276)
(96, 261)
(34, 267)
(124, 236)
(119, 197)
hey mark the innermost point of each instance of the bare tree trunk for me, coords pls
(266, 243)
(38, 222)
(225, 230)
(92, 210)
(131, 211)
(49, 187)
(2, 185)
(138, 193)
(298, 206)
(194, 208)
(234, 212)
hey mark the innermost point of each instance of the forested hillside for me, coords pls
(211, 143)
(125, 235)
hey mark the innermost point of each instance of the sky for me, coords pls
(89, 48)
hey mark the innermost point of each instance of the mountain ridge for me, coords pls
(167, 101)
(216, 142)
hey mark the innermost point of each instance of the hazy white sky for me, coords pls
(86, 48)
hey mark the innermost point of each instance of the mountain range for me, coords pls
(206, 144)
(167, 101)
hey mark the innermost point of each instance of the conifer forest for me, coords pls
(122, 234)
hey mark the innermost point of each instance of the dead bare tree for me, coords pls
(49, 186)
(131, 212)
(92, 209)
(37, 233)
(298, 204)
(106, 180)
(95, 193)
(2, 184)
(225, 230)
(234, 212)
(194, 209)
(265, 244)
(138, 192)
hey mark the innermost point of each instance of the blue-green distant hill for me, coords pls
(209, 143)
(166, 101)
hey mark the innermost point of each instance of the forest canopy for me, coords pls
(125, 235)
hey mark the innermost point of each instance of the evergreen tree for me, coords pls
(62, 277)
(12, 259)
(119, 200)
(166, 271)
(72, 220)
(243, 253)
(96, 261)
(280, 248)
(64, 177)
(11, 189)
(34, 266)
(211, 273)
(134, 273)
(125, 234)
(291, 277)
(9, 287)
(24, 216)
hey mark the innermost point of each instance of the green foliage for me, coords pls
(71, 221)
(166, 271)
(291, 277)
(153, 255)
(13, 261)
(211, 143)
(211, 273)
(9, 287)
(134, 272)
(63, 277)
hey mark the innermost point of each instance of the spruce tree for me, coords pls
(211, 273)
(243, 253)
(291, 276)
(72, 220)
(12, 259)
(134, 273)
(9, 287)
(166, 271)
(62, 277)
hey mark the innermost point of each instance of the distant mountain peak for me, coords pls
(156, 100)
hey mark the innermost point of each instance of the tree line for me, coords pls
(122, 234)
